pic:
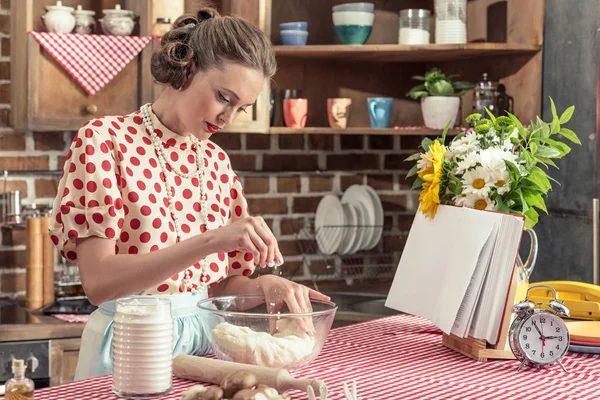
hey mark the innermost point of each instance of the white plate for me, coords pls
(357, 194)
(378, 207)
(328, 224)
(362, 234)
(350, 219)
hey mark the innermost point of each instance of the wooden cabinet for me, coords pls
(63, 360)
(45, 97)
(505, 39)
(381, 67)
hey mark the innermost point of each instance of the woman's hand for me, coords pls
(278, 290)
(251, 235)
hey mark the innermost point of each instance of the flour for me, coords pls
(286, 347)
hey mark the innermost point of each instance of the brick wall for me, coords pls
(278, 172)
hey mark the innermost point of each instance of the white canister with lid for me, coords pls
(142, 347)
(58, 18)
(84, 21)
(117, 22)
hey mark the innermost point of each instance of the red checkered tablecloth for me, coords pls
(92, 60)
(73, 318)
(402, 357)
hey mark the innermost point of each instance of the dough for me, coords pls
(287, 347)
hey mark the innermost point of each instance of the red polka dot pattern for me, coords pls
(113, 187)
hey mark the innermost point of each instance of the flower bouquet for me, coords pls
(495, 165)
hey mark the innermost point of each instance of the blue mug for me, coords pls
(380, 111)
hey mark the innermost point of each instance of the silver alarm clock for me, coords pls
(538, 337)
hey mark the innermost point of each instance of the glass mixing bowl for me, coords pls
(241, 329)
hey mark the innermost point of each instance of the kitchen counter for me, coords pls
(402, 357)
(36, 326)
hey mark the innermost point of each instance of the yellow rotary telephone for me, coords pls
(583, 299)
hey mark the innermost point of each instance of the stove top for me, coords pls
(70, 306)
(11, 313)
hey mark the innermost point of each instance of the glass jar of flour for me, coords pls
(142, 347)
(415, 25)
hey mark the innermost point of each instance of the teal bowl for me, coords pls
(353, 34)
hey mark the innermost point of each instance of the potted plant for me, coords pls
(440, 98)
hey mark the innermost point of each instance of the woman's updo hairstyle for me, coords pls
(208, 40)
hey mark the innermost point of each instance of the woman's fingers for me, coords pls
(295, 308)
(313, 294)
(303, 299)
(273, 307)
(261, 249)
(274, 256)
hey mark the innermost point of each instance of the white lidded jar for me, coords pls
(142, 347)
(84, 21)
(58, 18)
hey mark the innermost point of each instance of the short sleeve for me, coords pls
(240, 263)
(88, 202)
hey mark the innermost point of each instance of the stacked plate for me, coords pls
(352, 223)
(585, 336)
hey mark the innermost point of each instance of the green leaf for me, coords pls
(492, 116)
(546, 161)
(441, 88)
(462, 85)
(446, 131)
(425, 143)
(553, 108)
(417, 94)
(535, 200)
(548, 152)
(417, 183)
(533, 146)
(419, 78)
(414, 157)
(560, 146)
(567, 114)
(554, 126)
(518, 124)
(539, 176)
(412, 171)
(570, 135)
(544, 127)
(531, 218)
(524, 205)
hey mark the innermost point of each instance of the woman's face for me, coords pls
(214, 99)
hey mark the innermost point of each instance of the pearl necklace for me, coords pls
(161, 153)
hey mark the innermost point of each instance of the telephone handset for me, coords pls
(583, 299)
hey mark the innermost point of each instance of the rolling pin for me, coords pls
(214, 371)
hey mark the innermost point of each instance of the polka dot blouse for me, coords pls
(113, 187)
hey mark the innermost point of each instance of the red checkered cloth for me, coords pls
(77, 318)
(402, 357)
(92, 60)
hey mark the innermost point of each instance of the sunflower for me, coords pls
(432, 177)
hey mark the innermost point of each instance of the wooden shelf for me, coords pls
(405, 53)
(419, 131)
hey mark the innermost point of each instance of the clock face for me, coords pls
(543, 337)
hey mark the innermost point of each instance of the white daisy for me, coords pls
(507, 145)
(475, 201)
(501, 181)
(477, 181)
(465, 144)
(422, 163)
(493, 158)
(469, 161)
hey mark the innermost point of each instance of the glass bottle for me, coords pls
(19, 387)
(485, 96)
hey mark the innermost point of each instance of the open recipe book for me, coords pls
(456, 270)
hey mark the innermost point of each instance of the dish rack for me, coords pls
(370, 263)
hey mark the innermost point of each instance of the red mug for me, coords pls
(295, 112)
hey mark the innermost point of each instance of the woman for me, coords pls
(148, 205)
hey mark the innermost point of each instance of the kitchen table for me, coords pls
(402, 357)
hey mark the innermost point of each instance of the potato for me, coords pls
(237, 381)
(194, 393)
(212, 393)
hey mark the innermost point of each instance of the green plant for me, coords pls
(436, 83)
(498, 164)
